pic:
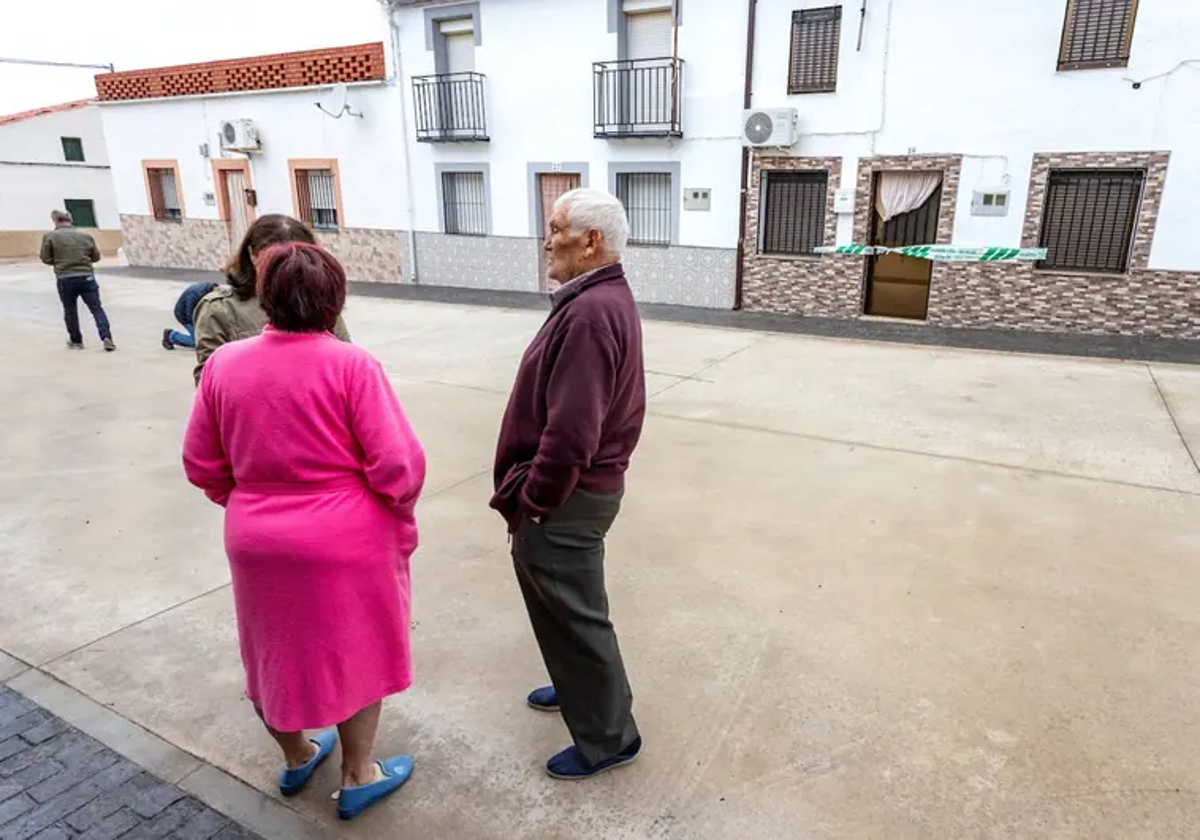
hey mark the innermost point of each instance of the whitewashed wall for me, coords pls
(980, 79)
(35, 178)
(290, 126)
(537, 56)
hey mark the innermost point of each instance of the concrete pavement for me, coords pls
(864, 590)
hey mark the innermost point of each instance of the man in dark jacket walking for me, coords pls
(72, 253)
(572, 423)
(185, 309)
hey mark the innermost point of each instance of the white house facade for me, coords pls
(1066, 124)
(54, 158)
(448, 142)
(432, 155)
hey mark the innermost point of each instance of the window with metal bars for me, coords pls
(464, 203)
(164, 195)
(316, 194)
(1090, 218)
(648, 198)
(1097, 33)
(816, 38)
(792, 218)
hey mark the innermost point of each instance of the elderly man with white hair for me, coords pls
(573, 420)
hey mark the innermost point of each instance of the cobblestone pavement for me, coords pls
(57, 783)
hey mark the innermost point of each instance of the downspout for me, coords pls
(747, 103)
(409, 196)
(677, 121)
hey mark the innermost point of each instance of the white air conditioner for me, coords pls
(240, 136)
(770, 127)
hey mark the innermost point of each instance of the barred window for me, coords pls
(164, 195)
(816, 38)
(1090, 219)
(647, 197)
(792, 220)
(464, 203)
(316, 198)
(1097, 33)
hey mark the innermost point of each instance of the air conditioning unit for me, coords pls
(240, 136)
(770, 127)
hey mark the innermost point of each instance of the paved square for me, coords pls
(864, 590)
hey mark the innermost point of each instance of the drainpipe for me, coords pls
(747, 103)
(409, 197)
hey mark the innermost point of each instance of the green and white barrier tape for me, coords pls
(941, 253)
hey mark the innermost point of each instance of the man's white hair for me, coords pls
(589, 209)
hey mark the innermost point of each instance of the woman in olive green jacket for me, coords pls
(232, 312)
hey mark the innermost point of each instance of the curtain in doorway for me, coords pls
(903, 192)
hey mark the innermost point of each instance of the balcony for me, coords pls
(450, 108)
(638, 98)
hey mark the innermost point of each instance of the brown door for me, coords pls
(898, 286)
(550, 186)
(233, 183)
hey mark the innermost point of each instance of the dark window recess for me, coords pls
(1097, 33)
(164, 197)
(916, 227)
(1090, 219)
(464, 203)
(316, 197)
(72, 149)
(816, 36)
(82, 210)
(647, 198)
(793, 211)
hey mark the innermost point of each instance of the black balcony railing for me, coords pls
(450, 107)
(639, 98)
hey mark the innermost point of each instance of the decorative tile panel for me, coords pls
(193, 243)
(682, 276)
(507, 263)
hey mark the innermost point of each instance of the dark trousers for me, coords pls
(560, 567)
(70, 290)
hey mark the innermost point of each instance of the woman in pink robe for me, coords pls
(301, 439)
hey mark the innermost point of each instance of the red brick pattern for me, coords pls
(360, 63)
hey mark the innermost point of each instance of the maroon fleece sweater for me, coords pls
(576, 410)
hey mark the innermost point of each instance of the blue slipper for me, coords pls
(293, 780)
(544, 699)
(352, 801)
(570, 765)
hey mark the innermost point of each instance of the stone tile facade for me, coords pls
(796, 285)
(682, 276)
(368, 255)
(1141, 302)
(193, 243)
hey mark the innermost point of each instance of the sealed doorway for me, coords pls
(905, 209)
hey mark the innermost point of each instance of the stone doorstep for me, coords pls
(190, 776)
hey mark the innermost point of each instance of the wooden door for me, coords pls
(898, 286)
(233, 183)
(551, 185)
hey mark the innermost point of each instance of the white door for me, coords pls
(648, 34)
(647, 88)
(460, 45)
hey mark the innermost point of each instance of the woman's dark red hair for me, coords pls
(301, 287)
